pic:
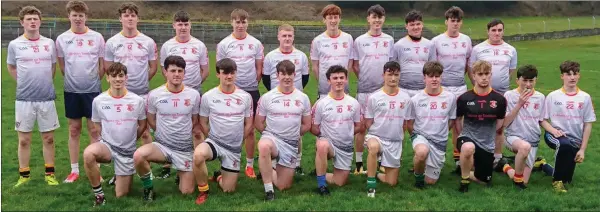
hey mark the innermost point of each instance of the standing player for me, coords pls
(385, 114)
(522, 123)
(412, 52)
(332, 47)
(121, 118)
(31, 60)
(371, 51)
(196, 58)
(172, 114)
(480, 113)
(247, 52)
(226, 119)
(571, 115)
(80, 52)
(453, 49)
(336, 119)
(434, 111)
(286, 112)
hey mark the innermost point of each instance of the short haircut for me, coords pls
(77, 6)
(116, 68)
(285, 27)
(331, 9)
(181, 16)
(128, 6)
(377, 10)
(174, 60)
(29, 10)
(226, 65)
(568, 66)
(433, 68)
(286, 67)
(336, 69)
(412, 16)
(455, 13)
(527, 72)
(482, 66)
(494, 22)
(391, 66)
(239, 14)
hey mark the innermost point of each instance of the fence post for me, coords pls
(594, 22)
(470, 31)
(569, 19)
(544, 26)
(520, 28)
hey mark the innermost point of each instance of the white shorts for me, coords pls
(435, 159)
(27, 113)
(412, 93)
(181, 160)
(456, 90)
(390, 152)
(230, 161)
(362, 100)
(532, 152)
(124, 165)
(286, 153)
(342, 160)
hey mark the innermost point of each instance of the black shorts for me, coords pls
(79, 105)
(483, 161)
(255, 97)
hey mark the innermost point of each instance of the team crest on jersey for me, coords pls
(298, 103)
(90, 43)
(493, 104)
(140, 46)
(238, 101)
(385, 44)
(194, 50)
(345, 45)
(580, 105)
(250, 46)
(235, 164)
(464, 44)
(129, 107)
(505, 52)
(425, 49)
(47, 48)
(296, 61)
(187, 102)
(401, 105)
(444, 105)
(536, 106)
(349, 107)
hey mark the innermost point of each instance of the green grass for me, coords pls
(546, 55)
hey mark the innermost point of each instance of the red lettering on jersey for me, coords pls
(433, 105)
(118, 109)
(505, 52)
(296, 61)
(335, 46)
(250, 46)
(417, 50)
(286, 103)
(385, 44)
(496, 51)
(228, 102)
(36, 49)
(298, 103)
(187, 102)
(238, 101)
(184, 52)
(129, 107)
(241, 47)
(570, 105)
(580, 106)
(425, 50)
(340, 109)
(401, 105)
(376, 44)
(526, 105)
(493, 104)
(345, 44)
(536, 106)
(464, 45)
(235, 164)
(194, 50)
(80, 43)
(455, 44)
(90, 43)
(140, 46)
(129, 47)
(444, 105)
(481, 102)
(47, 48)
(349, 107)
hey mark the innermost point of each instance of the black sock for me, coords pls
(359, 165)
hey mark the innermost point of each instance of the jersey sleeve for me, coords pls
(204, 60)
(547, 107)
(249, 107)
(153, 51)
(542, 108)
(59, 51)
(509, 105)
(452, 107)
(197, 100)
(356, 115)
(395, 55)
(432, 52)
(151, 103)
(102, 46)
(473, 57)
(261, 108)
(513, 60)
(354, 54)
(369, 108)
(220, 51)
(316, 113)
(204, 106)
(314, 50)
(411, 112)
(460, 107)
(260, 51)
(501, 107)
(10, 57)
(588, 111)
(141, 110)
(95, 114)
(306, 104)
(163, 55)
(305, 70)
(267, 70)
(53, 52)
(108, 51)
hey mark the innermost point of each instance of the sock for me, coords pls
(456, 155)
(24, 172)
(167, 169)
(465, 180)
(507, 168)
(203, 188)
(147, 180)
(548, 169)
(98, 190)
(98, 164)
(518, 178)
(419, 177)
(298, 159)
(358, 157)
(75, 168)
(321, 181)
(249, 162)
(359, 165)
(371, 182)
(49, 169)
(268, 187)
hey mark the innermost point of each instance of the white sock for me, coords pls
(98, 164)
(75, 168)
(268, 187)
(250, 162)
(298, 159)
(358, 157)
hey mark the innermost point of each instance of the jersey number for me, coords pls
(174, 103)
(417, 50)
(392, 105)
(433, 106)
(286, 104)
(118, 109)
(570, 106)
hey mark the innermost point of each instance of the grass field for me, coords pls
(546, 55)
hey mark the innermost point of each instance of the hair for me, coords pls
(377, 10)
(433, 68)
(331, 9)
(454, 12)
(128, 6)
(239, 14)
(286, 67)
(285, 27)
(226, 65)
(174, 60)
(181, 16)
(29, 10)
(116, 68)
(412, 16)
(568, 66)
(336, 69)
(482, 66)
(527, 72)
(494, 22)
(77, 6)
(391, 66)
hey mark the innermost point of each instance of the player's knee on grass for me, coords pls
(48, 138)
(25, 141)
(228, 181)
(430, 181)
(285, 177)
(467, 148)
(187, 183)
(322, 147)
(340, 177)
(123, 185)
(421, 152)
(75, 128)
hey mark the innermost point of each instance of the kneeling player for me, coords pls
(172, 113)
(228, 111)
(287, 114)
(385, 114)
(336, 119)
(121, 118)
(434, 111)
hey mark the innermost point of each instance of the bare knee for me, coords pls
(467, 148)
(139, 156)
(421, 153)
(392, 182)
(186, 190)
(25, 142)
(373, 146)
(93, 131)
(430, 181)
(199, 158)
(283, 186)
(119, 194)
(88, 156)
(525, 147)
(228, 189)
(74, 129)
(322, 147)
(264, 147)
(48, 139)
(146, 135)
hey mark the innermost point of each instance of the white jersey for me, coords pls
(135, 53)
(119, 119)
(194, 53)
(284, 112)
(174, 116)
(330, 51)
(388, 113)
(226, 114)
(34, 60)
(295, 56)
(503, 57)
(81, 53)
(372, 52)
(569, 112)
(244, 52)
(453, 53)
(336, 118)
(527, 123)
(412, 56)
(432, 115)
